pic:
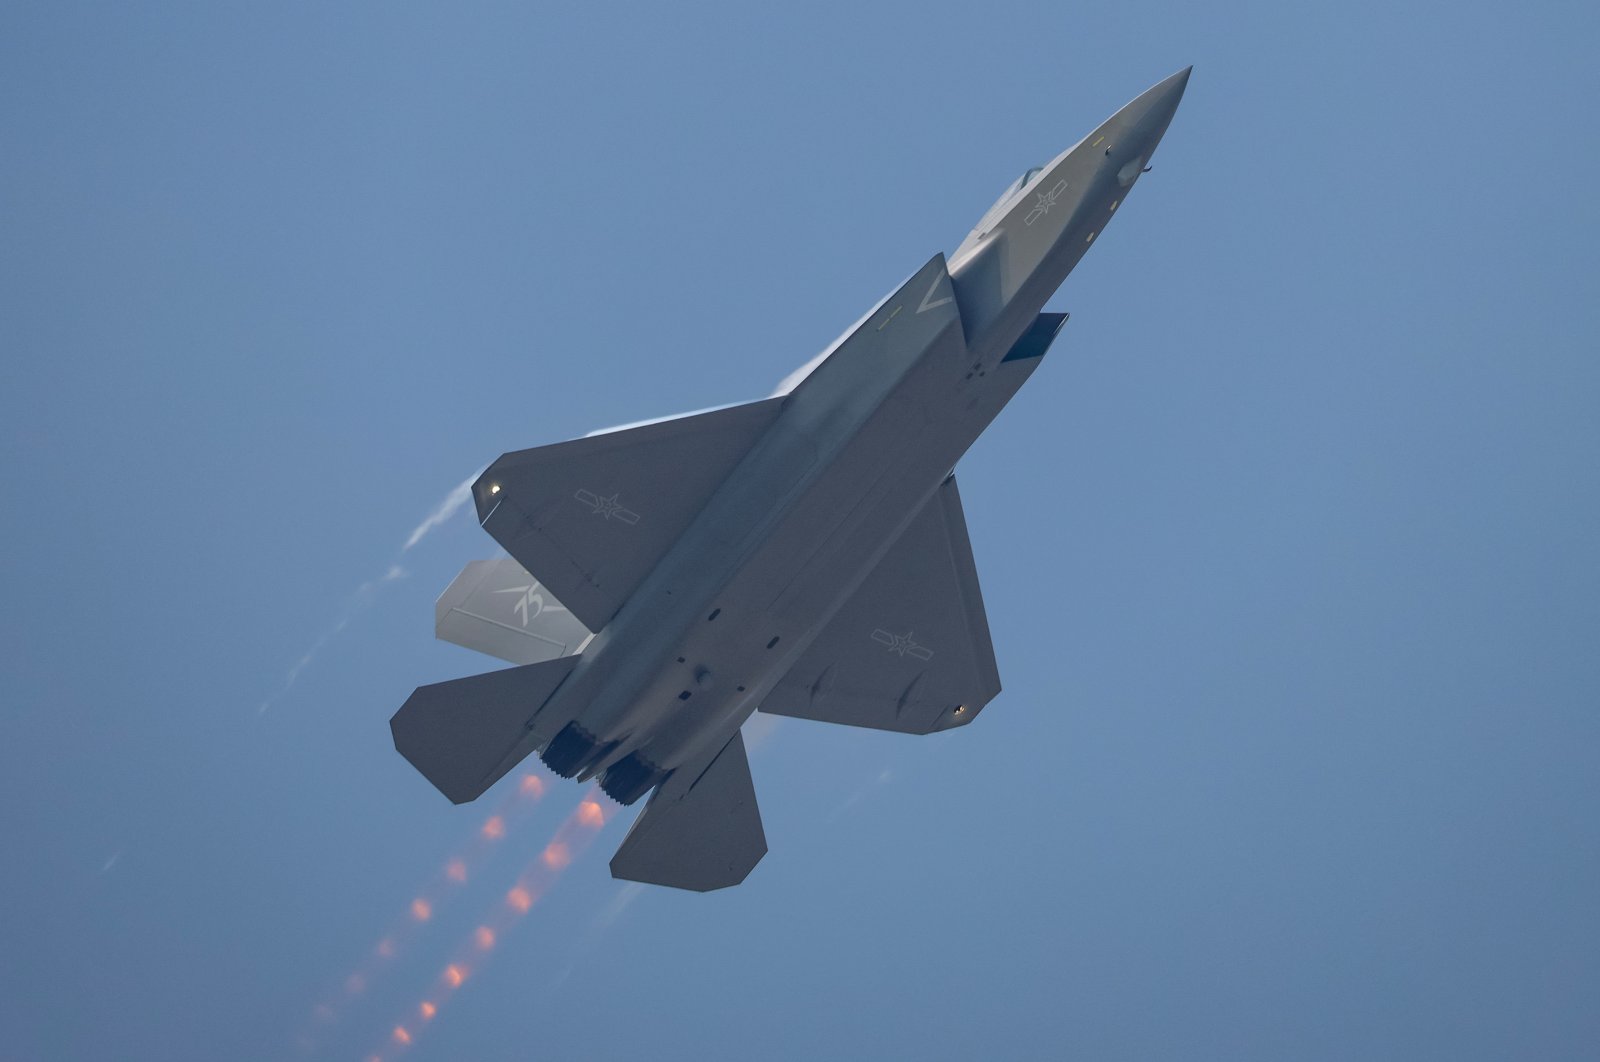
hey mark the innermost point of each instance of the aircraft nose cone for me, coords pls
(1154, 107)
(1168, 94)
(1138, 128)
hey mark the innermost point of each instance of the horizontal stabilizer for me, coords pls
(464, 735)
(701, 829)
(496, 607)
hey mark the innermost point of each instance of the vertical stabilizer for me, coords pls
(496, 607)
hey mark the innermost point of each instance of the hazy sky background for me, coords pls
(1291, 548)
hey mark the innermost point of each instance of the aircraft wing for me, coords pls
(591, 517)
(910, 650)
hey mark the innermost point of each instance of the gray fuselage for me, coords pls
(860, 446)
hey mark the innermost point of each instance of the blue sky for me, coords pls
(1289, 549)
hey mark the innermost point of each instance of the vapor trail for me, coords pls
(361, 598)
(354, 605)
(447, 508)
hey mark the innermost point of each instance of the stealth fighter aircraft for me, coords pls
(804, 555)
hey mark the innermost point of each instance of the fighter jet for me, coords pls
(804, 555)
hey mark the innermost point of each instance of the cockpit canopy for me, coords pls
(1016, 186)
(993, 215)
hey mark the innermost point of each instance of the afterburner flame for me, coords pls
(532, 785)
(570, 840)
(386, 948)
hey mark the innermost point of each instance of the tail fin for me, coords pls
(701, 829)
(496, 607)
(466, 734)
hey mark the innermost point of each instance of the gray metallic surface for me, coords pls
(457, 733)
(701, 829)
(592, 517)
(496, 607)
(798, 552)
(910, 650)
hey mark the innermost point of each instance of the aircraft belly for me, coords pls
(777, 551)
(878, 484)
(812, 561)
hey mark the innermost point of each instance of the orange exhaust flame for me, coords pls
(401, 1036)
(571, 838)
(514, 804)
